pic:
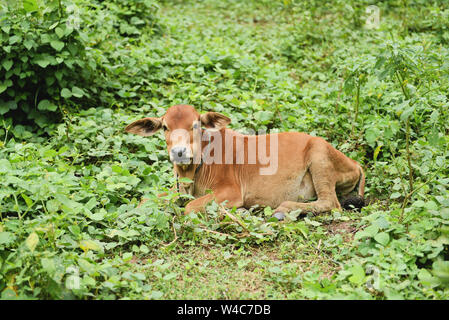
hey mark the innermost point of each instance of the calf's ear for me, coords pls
(144, 127)
(214, 120)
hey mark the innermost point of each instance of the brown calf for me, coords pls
(281, 170)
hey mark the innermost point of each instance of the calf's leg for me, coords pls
(324, 184)
(232, 197)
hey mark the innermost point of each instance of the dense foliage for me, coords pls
(75, 72)
(58, 54)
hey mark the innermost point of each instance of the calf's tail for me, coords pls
(356, 202)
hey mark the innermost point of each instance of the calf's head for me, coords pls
(182, 126)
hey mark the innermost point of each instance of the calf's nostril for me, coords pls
(179, 152)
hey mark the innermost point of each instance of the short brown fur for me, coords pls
(308, 168)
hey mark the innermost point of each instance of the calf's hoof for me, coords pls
(279, 215)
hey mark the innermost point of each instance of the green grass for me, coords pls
(68, 198)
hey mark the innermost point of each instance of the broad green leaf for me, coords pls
(139, 276)
(434, 116)
(441, 270)
(395, 195)
(116, 169)
(185, 180)
(127, 256)
(6, 29)
(7, 64)
(358, 274)
(63, 149)
(419, 204)
(431, 205)
(371, 135)
(427, 279)
(48, 265)
(382, 223)
(86, 266)
(27, 199)
(66, 93)
(3, 87)
(144, 249)
(312, 222)
(50, 153)
(87, 245)
(91, 204)
(15, 39)
(263, 116)
(445, 213)
(28, 44)
(30, 5)
(77, 92)
(9, 294)
(99, 215)
(6, 237)
(114, 232)
(392, 294)
(169, 276)
(42, 62)
(407, 113)
(361, 234)
(372, 230)
(5, 165)
(46, 105)
(59, 32)
(75, 229)
(383, 238)
(155, 295)
(57, 45)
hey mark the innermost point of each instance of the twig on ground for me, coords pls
(234, 218)
(174, 231)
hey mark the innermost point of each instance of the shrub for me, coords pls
(132, 15)
(43, 60)
(56, 55)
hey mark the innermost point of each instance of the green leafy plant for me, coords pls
(43, 59)
(72, 221)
